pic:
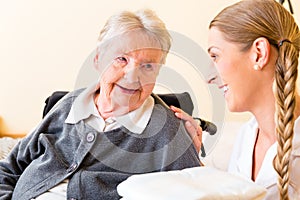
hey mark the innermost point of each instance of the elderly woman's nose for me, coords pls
(131, 72)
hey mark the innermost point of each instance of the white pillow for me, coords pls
(6, 145)
(189, 184)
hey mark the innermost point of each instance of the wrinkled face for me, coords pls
(130, 65)
(235, 72)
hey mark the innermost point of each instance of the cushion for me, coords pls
(189, 184)
(6, 145)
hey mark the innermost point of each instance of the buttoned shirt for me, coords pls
(94, 162)
(85, 109)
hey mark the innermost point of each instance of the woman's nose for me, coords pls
(214, 79)
(211, 74)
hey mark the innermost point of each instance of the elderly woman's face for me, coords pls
(130, 66)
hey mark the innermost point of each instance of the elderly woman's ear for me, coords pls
(96, 61)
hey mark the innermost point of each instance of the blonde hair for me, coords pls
(144, 20)
(248, 20)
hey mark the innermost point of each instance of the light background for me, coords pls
(44, 44)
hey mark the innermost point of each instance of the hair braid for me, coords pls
(285, 89)
(244, 22)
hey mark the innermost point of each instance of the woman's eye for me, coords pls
(213, 57)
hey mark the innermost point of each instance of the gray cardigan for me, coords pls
(94, 162)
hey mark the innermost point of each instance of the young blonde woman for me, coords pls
(254, 45)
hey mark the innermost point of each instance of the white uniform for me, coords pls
(241, 161)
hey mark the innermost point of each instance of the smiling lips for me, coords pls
(224, 87)
(127, 90)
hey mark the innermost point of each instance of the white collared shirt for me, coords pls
(241, 161)
(85, 109)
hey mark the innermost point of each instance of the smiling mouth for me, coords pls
(225, 88)
(126, 90)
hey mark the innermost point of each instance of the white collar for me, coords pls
(137, 120)
(267, 175)
(84, 106)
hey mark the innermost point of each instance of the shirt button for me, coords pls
(72, 167)
(90, 137)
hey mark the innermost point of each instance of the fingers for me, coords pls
(191, 125)
(184, 116)
(195, 133)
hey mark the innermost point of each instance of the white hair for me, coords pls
(143, 20)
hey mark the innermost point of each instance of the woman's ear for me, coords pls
(261, 52)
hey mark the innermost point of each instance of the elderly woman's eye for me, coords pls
(121, 59)
(148, 66)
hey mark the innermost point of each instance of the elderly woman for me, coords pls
(97, 137)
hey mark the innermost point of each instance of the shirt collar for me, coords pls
(137, 120)
(84, 106)
(245, 159)
(267, 175)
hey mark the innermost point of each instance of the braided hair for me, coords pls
(248, 20)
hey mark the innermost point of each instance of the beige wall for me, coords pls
(43, 45)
